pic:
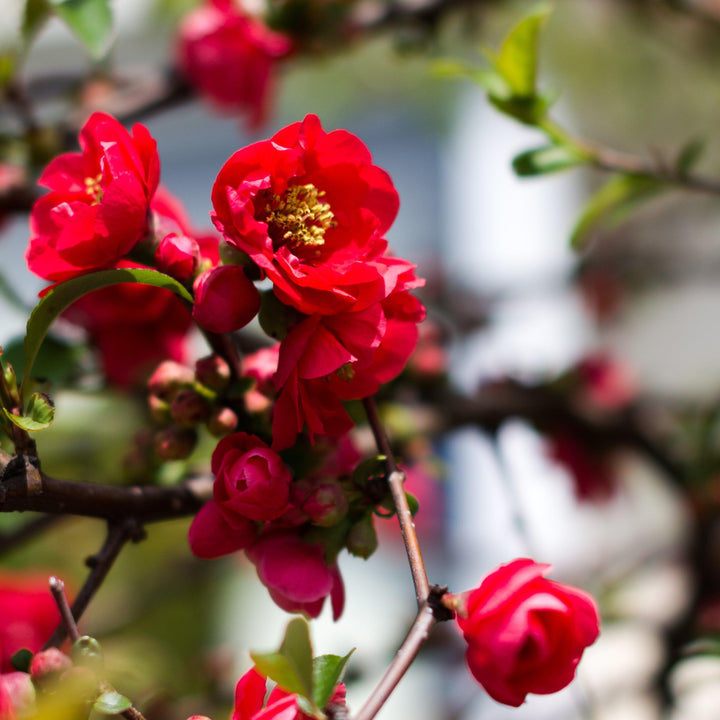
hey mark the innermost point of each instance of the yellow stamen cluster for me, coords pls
(346, 372)
(300, 217)
(93, 188)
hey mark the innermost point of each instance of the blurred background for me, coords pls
(622, 333)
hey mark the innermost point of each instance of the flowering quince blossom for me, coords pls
(525, 634)
(17, 696)
(310, 210)
(28, 615)
(250, 702)
(98, 205)
(230, 57)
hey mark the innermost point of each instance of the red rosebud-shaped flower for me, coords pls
(311, 209)
(28, 615)
(296, 574)
(225, 299)
(250, 702)
(251, 480)
(97, 207)
(230, 57)
(178, 256)
(525, 634)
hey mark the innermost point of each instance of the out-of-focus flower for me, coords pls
(17, 696)
(230, 57)
(525, 634)
(28, 614)
(98, 205)
(606, 382)
(296, 574)
(250, 702)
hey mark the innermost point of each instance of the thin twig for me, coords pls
(118, 534)
(416, 637)
(396, 479)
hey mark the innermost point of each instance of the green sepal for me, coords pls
(21, 659)
(111, 702)
(547, 159)
(91, 21)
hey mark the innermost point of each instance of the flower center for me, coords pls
(346, 372)
(93, 188)
(299, 218)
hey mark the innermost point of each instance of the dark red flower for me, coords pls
(98, 204)
(525, 634)
(230, 57)
(311, 209)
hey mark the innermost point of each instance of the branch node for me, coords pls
(441, 613)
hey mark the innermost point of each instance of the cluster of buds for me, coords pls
(180, 399)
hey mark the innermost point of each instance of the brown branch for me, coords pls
(117, 535)
(405, 656)
(19, 491)
(396, 478)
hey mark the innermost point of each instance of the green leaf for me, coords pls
(327, 672)
(413, 503)
(548, 159)
(111, 702)
(291, 666)
(90, 20)
(490, 80)
(37, 12)
(297, 649)
(21, 660)
(529, 110)
(39, 414)
(690, 154)
(517, 59)
(65, 294)
(612, 203)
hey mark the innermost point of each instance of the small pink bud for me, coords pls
(178, 256)
(326, 503)
(168, 378)
(198, 717)
(188, 408)
(175, 443)
(222, 421)
(225, 299)
(213, 372)
(17, 695)
(49, 662)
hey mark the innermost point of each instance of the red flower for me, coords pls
(134, 327)
(230, 58)
(310, 209)
(250, 703)
(28, 615)
(525, 634)
(17, 696)
(296, 574)
(97, 207)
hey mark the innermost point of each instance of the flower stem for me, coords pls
(396, 478)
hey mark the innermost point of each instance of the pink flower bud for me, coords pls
(178, 256)
(213, 372)
(222, 421)
(323, 501)
(49, 662)
(525, 634)
(225, 300)
(188, 408)
(168, 378)
(17, 696)
(175, 443)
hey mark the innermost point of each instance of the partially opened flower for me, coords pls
(525, 634)
(98, 205)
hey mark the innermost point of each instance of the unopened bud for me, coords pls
(175, 443)
(213, 372)
(188, 408)
(222, 421)
(323, 501)
(362, 539)
(49, 662)
(168, 378)
(178, 256)
(20, 691)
